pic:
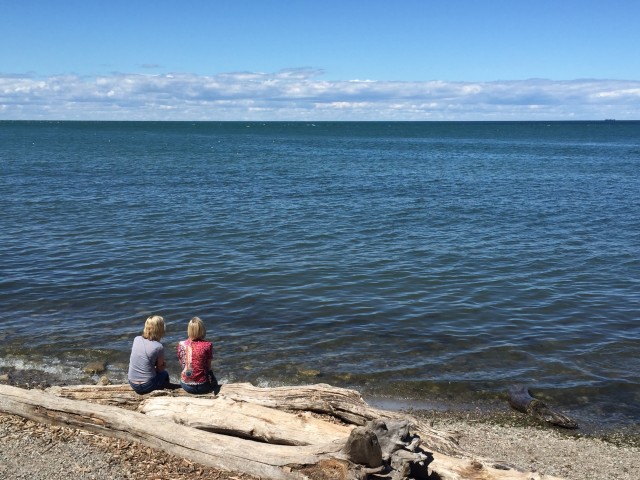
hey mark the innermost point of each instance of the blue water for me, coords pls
(408, 260)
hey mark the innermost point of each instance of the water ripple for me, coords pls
(405, 259)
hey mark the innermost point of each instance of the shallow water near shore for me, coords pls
(418, 262)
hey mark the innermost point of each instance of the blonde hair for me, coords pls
(154, 328)
(196, 329)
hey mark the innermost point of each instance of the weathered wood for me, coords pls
(241, 419)
(520, 398)
(345, 404)
(378, 440)
(363, 447)
(324, 399)
(342, 403)
(121, 395)
(219, 451)
(471, 469)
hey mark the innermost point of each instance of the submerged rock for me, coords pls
(95, 368)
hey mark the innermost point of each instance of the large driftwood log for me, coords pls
(400, 450)
(219, 451)
(342, 403)
(246, 420)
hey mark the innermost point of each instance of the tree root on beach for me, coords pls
(315, 431)
(520, 398)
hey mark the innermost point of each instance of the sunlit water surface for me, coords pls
(409, 260)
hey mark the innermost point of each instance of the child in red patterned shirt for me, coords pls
(195, 355)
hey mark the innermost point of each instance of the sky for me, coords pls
(307, 60)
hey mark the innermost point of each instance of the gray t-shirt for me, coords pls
(142, 364)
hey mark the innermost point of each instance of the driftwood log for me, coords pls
(268, 432)
(520, 399)
(245, 420)
(344, 404)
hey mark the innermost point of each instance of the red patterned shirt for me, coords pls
(201, 354)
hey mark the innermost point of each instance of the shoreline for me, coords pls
(33, 450)
(520, 441)
(441, 405)
(500, 412)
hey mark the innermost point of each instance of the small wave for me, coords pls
(52, 366)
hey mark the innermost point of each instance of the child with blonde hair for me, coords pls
(146, 365)
(195, 355)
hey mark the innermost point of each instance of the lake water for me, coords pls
(413, 261)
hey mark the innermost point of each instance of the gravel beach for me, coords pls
(517, 440)
(30, 450)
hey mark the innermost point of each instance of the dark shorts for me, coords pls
(200, 388)
(160, 381)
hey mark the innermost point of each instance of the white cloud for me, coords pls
(298, 94)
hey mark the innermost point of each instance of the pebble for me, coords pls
(34, 451)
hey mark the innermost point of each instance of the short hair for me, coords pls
(196, 329)
(154, 328)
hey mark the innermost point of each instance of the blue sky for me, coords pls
(329, 60)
